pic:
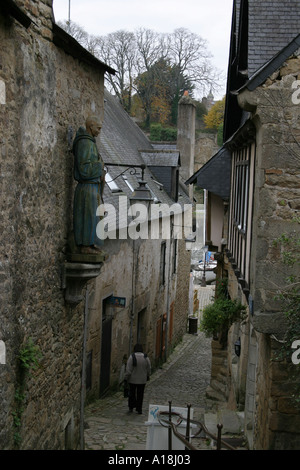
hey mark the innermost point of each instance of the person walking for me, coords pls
(137, 373)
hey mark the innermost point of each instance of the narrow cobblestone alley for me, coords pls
(182, 380)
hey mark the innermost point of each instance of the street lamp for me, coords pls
(141, 194)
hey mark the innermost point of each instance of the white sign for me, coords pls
(2, 92)
(2, 352)
(157, 435)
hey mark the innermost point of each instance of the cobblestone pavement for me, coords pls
(182, 380)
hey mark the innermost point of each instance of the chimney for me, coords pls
(186, 136)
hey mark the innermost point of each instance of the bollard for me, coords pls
(219, 426)
(170, 428)
(187, 433)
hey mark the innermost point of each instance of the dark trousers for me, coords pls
(136, 396)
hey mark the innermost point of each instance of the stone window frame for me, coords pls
(241, 190)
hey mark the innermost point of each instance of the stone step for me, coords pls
(232, 422)
(232, 427)
(219, 386)
(215, 395)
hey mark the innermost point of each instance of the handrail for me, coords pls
(168, 423)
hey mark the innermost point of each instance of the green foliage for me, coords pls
(160, 133)
(201, 110)
(215, 115)
(221, 289)
(155, 132)
(220, 135)
(29, 356)
(159, 90)
(168, 134)
(222, 313)
(28, 360)
(290, 296)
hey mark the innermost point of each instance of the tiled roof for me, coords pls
(260, 29)
(215, 174)
(123, 142)
(272, 65)
(262, 36)
(66, 42)
(161, 158)
(272, 25)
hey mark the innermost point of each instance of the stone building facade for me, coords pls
(54, 310)
(46, 93)
(264, 378)
(154, 312)
(261, 137)
(205, 147)
(150, 274)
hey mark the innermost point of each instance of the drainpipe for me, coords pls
(168, 286)
(83, 374)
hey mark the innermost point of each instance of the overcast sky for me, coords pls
(210, 19)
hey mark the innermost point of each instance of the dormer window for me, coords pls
(112, 184)
(127, 182)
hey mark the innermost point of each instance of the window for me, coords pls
(112, 184)
(127, 182)
(174, 261)
(241, 194)
(163, 263)
(239, 233)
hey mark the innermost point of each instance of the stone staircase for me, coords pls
(217, 399)
(232, 426)
(218, 390)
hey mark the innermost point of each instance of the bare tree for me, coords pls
(76, 31)
(188, 51)
(151, 47)
(133, 54)
(118, 50)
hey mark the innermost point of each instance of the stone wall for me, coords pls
(278, 193)
(271, 418)
(205, 147)
(45, 95)
(186, 135)
(181, 301)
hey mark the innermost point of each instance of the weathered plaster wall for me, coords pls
(46, 93)
(205, 147)
(186, 135)
(133, 271)
(272, 419)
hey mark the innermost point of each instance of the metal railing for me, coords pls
(165, 419)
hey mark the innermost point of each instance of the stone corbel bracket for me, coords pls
(75, 276)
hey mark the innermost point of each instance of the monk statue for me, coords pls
(90, 175)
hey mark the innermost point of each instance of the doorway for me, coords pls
(160, 346)
(141, 329)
